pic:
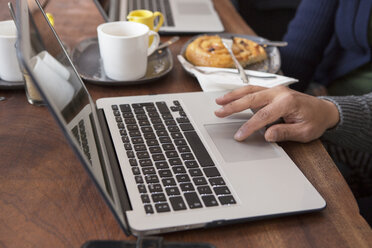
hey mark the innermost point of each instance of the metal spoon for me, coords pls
(169, 42)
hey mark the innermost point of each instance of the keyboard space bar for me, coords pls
(198, 148)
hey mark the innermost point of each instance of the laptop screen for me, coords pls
(47, 66)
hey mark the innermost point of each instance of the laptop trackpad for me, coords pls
(253, 148)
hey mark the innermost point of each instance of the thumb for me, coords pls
(283, 132)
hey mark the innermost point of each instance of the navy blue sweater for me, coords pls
(327, 39)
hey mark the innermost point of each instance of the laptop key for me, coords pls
(170, 122)
(155, 149)
(168, 147)
(162, 207)
(183, 178)
(142, 188)
(200, 181)
(175, 161)
(165, 140)
(125, 139)
(137, 140)
(177, 203)
(168, 182)
(145, 198)
(173, 129)
(145, 162)
(183, 149)
(159, 126)
(136, 170)
(180, 142)
(171, 154)
(148, 209)
(217, 181)
(176, 135)
(128, 115)
(147, 129)
(211, 172)
(129, 121)
(209, 200)
(140, 147)
(195, 172)
(191, 164)
(125, 108)
(148, 171)
(163, 108)
(186, 127)
(193, 200)
(127, 146)
(226, 200)
(144, 123)
(187, 156)
(172, 191)
(155, 188)
(221, 190)
(152, 142)
(149, 135)
(116, 112)
(139, 179)
(130, 154)
(141, 117)
(151, 179)
(187, 187)
(135, 133)
(179, 170)
(122, 132)
(133, 162)
(161, 165)
(142, 154)
(204, 190)
(160, 197)
(161, 133)
(158, 157)
(165, 173)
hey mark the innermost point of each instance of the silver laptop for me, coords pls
(163, 163)
(180, 16)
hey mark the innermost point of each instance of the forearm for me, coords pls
(354, 129)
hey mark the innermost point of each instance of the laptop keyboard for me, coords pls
(162, 6)
(169, 162)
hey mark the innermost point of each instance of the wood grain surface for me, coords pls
(47, 199)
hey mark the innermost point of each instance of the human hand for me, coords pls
(305, 117)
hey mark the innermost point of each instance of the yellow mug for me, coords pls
(146, 17)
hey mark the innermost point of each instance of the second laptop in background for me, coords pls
(180, 16)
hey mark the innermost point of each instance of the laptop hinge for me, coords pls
(114, 165)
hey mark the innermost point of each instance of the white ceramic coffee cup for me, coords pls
(9, 67)
(124, 49)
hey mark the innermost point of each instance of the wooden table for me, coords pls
(47, 199)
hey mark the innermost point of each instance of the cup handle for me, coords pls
(160, 22)
(155, 42)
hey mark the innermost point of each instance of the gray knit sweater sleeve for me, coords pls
(355, 127)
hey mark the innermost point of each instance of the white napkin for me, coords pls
(228, 81)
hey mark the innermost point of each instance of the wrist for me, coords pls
(333, 115)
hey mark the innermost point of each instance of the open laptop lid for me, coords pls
(46, 64)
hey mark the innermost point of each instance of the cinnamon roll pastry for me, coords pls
(209, 51)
